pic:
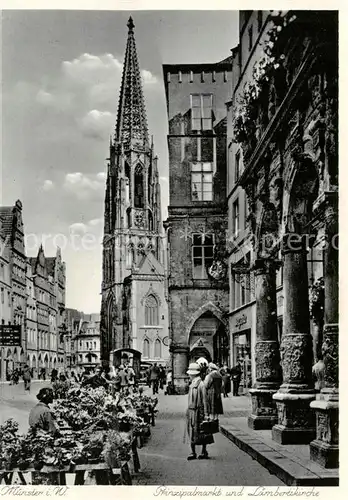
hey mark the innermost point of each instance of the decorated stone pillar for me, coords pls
(268, 377)
(325, 448)
(180, 355)
(296, 421)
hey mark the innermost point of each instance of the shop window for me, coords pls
(201, 181)
(151, 311)
(201, 112)
(202, 255)
(158, 346)
(146, 349)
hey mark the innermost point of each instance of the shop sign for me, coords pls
(10, 335)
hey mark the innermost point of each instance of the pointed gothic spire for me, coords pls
(131, 126)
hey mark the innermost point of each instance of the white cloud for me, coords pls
(78, 228)
(85, 187)
(47, 185)
(89, 80)
(97, 124)
(148, 77)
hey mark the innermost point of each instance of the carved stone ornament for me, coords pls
(262, 404)
(295, 414)
(330, 355)
(139, 219)
(296, 358)
(267, 361)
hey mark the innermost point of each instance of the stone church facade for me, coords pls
(134, 307)
(197, 218)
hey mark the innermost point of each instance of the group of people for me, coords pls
(204, 405)
(156, 377)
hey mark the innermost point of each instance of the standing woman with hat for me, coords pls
(196, 413)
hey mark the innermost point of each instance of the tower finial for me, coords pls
(130, 24)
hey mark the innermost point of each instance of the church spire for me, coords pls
(131, 126)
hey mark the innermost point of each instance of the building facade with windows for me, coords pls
(32, 345)
(14, 301)
(242, 308)
(133, 256)
(284, 127)
(87, 342)
(197, 217)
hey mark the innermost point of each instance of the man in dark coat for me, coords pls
(236, 373)
(154, 378)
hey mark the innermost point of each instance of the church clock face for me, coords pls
(139, 219)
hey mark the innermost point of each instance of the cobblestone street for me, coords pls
(164, 458)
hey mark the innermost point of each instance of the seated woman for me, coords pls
(40, 417)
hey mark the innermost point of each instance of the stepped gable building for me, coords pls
(134, 307)
(16, 299)
(48, 276)
(285, 130)
(197, 216)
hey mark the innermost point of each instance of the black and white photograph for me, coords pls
(169, 272)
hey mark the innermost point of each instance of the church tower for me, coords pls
(132, 217)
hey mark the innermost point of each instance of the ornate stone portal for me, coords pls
(264, 411)
(325, 448)
(296, 422)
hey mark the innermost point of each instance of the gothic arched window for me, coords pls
(150, 221)
(146, 349)
(151, 310)
(138, 188)
(158, 348)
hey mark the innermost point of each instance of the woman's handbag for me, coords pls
(210, 426)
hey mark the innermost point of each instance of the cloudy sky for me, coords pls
(61, 73)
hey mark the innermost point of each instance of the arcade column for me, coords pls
(180, 356)
(296, 422)
(264, 410)
(325, 448)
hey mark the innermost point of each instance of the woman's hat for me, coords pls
(202, 362)
(212, 366)
(194, 369)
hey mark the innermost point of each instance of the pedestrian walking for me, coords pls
(124, 379)
(154, 378)
(27, 378)
(213, 386)
(54, 375)
(169, 388)
(15, 376)
(130, 373)
(226, 381)
(236, 373)
(196, 414)
(162, 377)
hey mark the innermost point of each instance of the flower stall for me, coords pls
(98, 436)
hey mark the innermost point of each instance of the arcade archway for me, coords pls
(209, 339)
